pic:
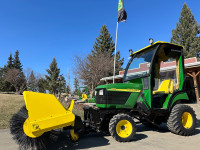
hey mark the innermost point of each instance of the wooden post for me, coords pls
(194, 76)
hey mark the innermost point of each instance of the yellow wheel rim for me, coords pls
(124, 128)
(187, 120)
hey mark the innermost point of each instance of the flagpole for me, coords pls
(115, 52)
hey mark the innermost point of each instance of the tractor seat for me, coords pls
(165, 87)
(84, 96)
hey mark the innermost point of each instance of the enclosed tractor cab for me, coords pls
(150, 93)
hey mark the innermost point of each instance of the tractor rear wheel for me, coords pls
(182, 120)
(122, 127)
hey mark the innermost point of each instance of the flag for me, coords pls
(122, 15)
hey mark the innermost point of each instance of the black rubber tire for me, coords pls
(174, 122)
(113, 123)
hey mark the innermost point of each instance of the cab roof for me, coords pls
(158, 42)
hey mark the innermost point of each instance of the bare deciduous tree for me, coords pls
(17, 79)
(27, 73)
(91, 69)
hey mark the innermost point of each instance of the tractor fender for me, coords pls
(177, 97)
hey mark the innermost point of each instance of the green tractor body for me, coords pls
(119, 95)
(150, 93)
(150, 88)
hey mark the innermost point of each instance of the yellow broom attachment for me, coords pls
(45, 113)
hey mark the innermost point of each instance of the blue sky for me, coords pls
(43, 29)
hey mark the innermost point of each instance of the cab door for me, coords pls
(165, 75)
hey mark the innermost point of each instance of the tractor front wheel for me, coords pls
(182, 120)
(122, 127)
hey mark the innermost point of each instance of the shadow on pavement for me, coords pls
(198, 123)
(197, 131)
(139, 137)
(91, 140)
(163, 128)
(87, 141)
(142, 128)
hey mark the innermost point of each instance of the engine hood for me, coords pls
(121, 87)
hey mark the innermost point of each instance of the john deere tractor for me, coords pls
(85, 96)
(150, 94)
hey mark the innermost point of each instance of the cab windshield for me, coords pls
(139, 64)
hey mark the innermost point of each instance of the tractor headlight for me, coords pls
(101, 92)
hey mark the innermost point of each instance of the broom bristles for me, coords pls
(25, 142)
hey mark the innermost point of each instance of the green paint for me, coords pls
(182, 96)
(137, 80)
(132, 100)
(167, 101)
(147, 95)
(130, 103)
(121, 86)
(105, 106)
(181, 73)
(113, 106)
(90, 100)
(120, 5)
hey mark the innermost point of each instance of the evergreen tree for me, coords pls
(62, 84)
(119, 63)
(104, 44)
(52, 77)
(16, 63)
(99, 63)
(186, 33)
(32, 83)
(5, 86)
(10, 62)
(41, 85)
(76, 85)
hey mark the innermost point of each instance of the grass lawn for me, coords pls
(9, 105)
